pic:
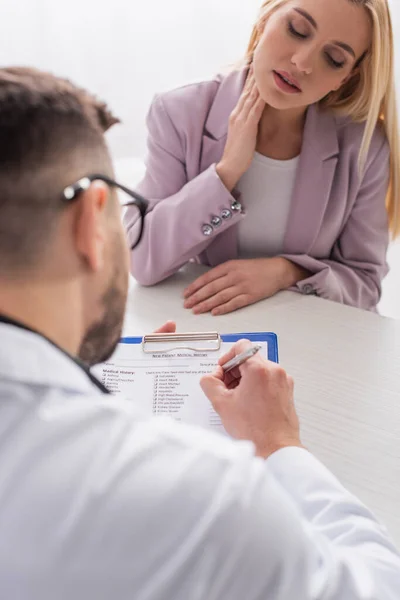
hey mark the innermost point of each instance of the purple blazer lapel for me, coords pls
(211, 151)
(216, 125)
(315, 173)
(225, 100)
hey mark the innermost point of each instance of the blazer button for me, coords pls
(236, 206)
(216, 221)
(308, 289)
(226, 214)
(207, 229)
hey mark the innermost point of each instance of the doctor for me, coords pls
(98, 500)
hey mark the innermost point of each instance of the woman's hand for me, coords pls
(242, 134)
(238, 283)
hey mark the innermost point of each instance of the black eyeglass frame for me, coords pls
(71, 192)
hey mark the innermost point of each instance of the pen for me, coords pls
(238, 360)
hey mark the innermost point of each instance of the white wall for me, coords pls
(126, 50)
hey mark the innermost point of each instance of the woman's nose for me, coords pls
(303, 61)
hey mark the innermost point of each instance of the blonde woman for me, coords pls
(282, 174)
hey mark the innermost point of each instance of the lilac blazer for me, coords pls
(337, 227)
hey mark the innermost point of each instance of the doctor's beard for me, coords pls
(103, 336)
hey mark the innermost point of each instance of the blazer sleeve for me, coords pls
(179, 209)
(353, 273)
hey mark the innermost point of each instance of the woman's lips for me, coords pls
(286, 82)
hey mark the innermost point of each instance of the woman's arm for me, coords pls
(178, 225)
(354, 271)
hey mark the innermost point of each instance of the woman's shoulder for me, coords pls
(351, 133)
(191, 97)
(194, 100)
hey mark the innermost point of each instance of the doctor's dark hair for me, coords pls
(51, 134)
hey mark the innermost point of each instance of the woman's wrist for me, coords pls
(227, 175)
(291, 273)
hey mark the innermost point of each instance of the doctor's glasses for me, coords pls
(128, 198)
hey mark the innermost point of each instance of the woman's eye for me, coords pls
(334, 63)
(295, 31)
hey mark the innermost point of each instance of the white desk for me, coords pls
(346, 367)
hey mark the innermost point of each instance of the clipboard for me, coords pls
(209, 341)
(162, 372)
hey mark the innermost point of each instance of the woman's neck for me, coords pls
(280, 133)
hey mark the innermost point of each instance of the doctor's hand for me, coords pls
(242, 134)
(238, 283)
(255, 402)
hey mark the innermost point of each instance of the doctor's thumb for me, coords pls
(215, 390)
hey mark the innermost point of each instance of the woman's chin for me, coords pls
(279, 101)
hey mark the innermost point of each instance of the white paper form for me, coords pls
(165, 383)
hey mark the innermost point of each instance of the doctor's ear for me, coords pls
(91, 225)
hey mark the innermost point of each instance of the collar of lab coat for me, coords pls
(27, 357)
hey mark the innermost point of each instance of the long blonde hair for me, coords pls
(368, 96)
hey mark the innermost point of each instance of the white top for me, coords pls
(99, 501)
(266, 193)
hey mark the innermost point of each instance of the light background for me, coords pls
(125, 51)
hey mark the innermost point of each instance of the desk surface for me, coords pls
(346, 367)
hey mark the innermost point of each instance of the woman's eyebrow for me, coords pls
(313, 22)
(307, 16)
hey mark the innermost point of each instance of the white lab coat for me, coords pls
(98, 502)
